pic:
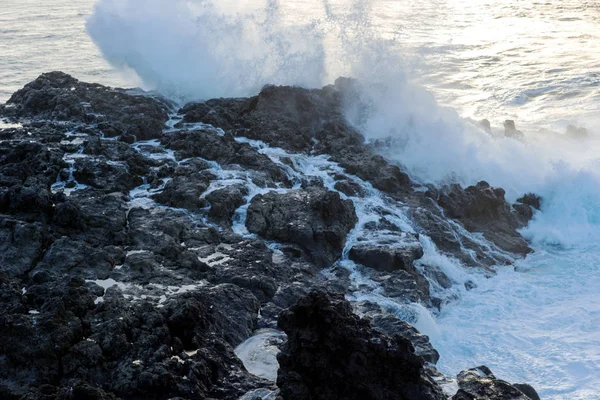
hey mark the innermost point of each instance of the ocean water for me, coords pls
(50, 36)
(427, 68)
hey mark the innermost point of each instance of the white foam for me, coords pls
(264, 394)
(215, 259)
(259, 353)
(107, 283)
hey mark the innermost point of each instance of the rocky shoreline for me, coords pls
(141, 244)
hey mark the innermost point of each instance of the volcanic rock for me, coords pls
(482, 208)
(480, 383)
(58, 96)
(223, 202)
(333, 354)
(315, 219)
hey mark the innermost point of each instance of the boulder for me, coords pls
(222, 113)
(316, 220)
(224, 202)
(480, 383)
(106, 176)
(485, 124)
(349, 188)
(185, 191)
(388, 258)
(362, 162)
(333, 354)
(99, 219)
(68, 257)
(482, 208)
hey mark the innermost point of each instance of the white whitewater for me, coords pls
(533, 62)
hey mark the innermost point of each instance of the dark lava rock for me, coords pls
(182, 350)
(312, 121)
(105, 296)
(531, 199)
(383, 175)
(333, 354)
(76, 258)
(393, 260)
(185, 191)
(127, 138)
(482, 208)
(222, 113)
(21, 245)
(315, 219)
(303, 120)
(392, 325)
(68, 215)
(525, 206)
(528, 390)
(163, 230)
(223, 149)
(349, 188)
(21, 161)
(402, 286)
(58, 96)
(27, 169)
(224, 202)
(480, 383)
(290, 117)
(388, 258)
(485, 124)
(97, 218)
(105, 176)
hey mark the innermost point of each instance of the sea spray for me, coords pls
(196, 50)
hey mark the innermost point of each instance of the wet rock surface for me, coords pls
(315, 219)
(391, 325)
(139, 245)
(480, 383)
(482, 208)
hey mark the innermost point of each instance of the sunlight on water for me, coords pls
(38, 37)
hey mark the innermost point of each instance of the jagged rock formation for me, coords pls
(131, 268)
(333, 354)
(58, 96)
(294, 119)
(481, 208)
